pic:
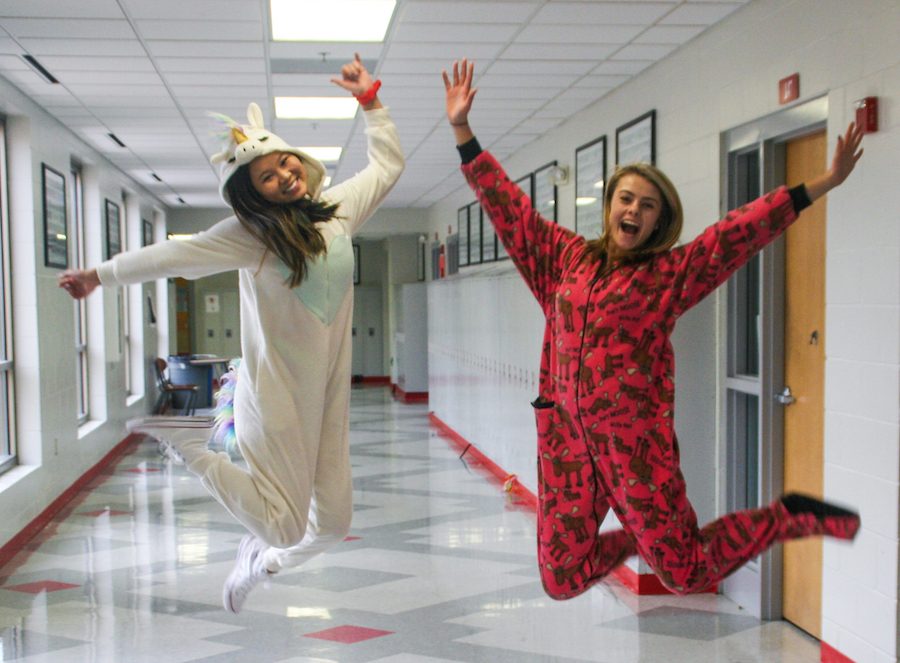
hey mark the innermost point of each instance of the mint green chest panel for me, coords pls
(327, 280)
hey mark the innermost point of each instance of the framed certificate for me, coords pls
(544, 194)
(590, 182)
(146, 233)
(636, 140)
(475, 235)
(56, 238)
(462, 230)
(113, 230)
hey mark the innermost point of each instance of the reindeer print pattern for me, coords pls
(605, 428)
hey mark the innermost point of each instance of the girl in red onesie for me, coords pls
(605, 412)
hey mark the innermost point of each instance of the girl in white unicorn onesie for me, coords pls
(291, 244)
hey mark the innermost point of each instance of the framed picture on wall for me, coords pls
(543, 197)
(146, 233)
(113, 230)
(56, 237)
(636, 140)
(356, 264)
(462, 231)
(475, 235)
(420, 259)
(590, 180)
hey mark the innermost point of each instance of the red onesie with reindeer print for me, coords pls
(605, 413)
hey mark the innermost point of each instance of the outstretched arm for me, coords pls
(355, 78)
(721, 249)
(846, 154)
(459, 99)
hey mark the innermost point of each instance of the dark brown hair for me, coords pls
(287, 230)
(668, 227)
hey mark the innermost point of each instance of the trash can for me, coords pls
(181, 371)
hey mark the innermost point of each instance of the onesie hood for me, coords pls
(243, 143)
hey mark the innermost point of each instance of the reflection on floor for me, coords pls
(439, 567)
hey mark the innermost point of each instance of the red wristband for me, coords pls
(369, 95)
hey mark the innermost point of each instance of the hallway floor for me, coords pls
(439, 568)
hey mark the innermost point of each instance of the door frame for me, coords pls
(758, 585)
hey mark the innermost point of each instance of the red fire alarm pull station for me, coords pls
(867, 114)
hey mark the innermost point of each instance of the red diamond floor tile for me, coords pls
(348, 634)
(41, 586)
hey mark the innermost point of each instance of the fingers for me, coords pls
(463, 71)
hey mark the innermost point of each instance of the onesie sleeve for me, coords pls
(224, 247)
(538, 247)
(699, 267)
(359, 196)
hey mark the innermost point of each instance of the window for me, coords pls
(7, 402)
(82, 405)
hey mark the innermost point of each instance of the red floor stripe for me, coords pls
(32, 529)
(829, 654)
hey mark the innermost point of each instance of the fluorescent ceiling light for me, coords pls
(315, 108)
(330, 20)
(583, 201)
(324, 153)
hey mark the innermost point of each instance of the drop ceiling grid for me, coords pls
(151, 73)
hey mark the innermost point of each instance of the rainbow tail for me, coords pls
(223, 433)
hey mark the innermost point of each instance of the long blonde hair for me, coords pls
(287, 230)
(668, 227)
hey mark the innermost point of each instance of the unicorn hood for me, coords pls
(243, 143)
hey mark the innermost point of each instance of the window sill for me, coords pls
(88, 427)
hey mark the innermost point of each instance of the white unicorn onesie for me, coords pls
(291, 403)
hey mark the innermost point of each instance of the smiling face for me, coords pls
(279, 177)
(634, 211)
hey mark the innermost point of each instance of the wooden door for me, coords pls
(804, 371)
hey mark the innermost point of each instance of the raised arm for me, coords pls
(707, 262)
(361, 195)
(459, 99)
(537, 246)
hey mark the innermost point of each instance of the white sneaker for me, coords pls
(180, 438)
(247, 573)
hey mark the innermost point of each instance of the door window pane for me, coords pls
(743, 442)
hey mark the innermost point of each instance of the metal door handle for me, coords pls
(785, 397)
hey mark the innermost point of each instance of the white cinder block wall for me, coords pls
(725, 78)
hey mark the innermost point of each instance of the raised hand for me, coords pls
(459, 92)
(846, 154)
(355, 78)
(79, 283)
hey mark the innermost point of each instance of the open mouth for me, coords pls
(629, 228)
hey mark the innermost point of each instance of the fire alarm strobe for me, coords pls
(867, 114)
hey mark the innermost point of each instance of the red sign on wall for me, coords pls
(789, 89)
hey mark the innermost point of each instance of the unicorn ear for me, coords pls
(218, 157)
(254, 115)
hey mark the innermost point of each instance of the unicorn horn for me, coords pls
(238, 135)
